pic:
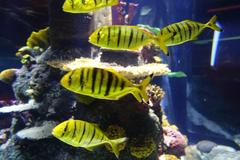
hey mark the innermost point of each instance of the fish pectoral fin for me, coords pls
(89, 148)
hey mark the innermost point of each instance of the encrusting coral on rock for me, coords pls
(142, 147)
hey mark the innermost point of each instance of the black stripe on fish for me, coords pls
(99, 36)
(183, 29)
(101, 80)
(198, 27)
(81, 78)
(142, 37)
(92, 135)
(72, 5)
(119, 36)
(179, 30)
(74, 130)
(109, 34)
(84, 2)
(115, 85)
(131, 37)
(136, 37)
(109, 82)
(70, 78)
(84, 128)
(189, 30)
(94, 75)
(95, 2)
(87, 75)
(122, 85)
(169, 31)
(65, 129)
(125, 36)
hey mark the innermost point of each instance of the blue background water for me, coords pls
(205, 105)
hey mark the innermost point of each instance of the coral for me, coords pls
(129, 71)
(8, 75)
(168, 157)
(155, 93)
(39, 39)
(142, 147)
(36, 133)
(115, 132)
(174, 141)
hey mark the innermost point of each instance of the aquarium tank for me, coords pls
(119, 79)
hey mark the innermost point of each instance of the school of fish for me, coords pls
(80, 133)
(107, 83)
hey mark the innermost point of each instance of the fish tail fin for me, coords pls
(115, 142)
(159, 41)
(212, 24)
(143, 85)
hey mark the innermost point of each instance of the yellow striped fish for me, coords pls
(80, 133)
(85, 6)
(186, 31)
(103, 84)
(122, 37)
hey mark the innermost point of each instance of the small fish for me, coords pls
(85, 6)
(103, 84)
(122, 37)
(186, 31)
(80, 133)
(8, 75)
(39, 39)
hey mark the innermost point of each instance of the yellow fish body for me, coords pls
(186, 31)
(122, 37)
(80, 133)
(103, 84)
(85, 6)
(8, 75)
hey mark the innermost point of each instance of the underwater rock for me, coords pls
(36, 133)
(192, 153)
(174, 141)
(20, 107)
(206, 146)
(218, 152)
(20, 86)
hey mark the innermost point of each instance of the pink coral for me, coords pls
(174, 141)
